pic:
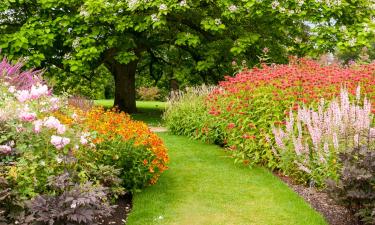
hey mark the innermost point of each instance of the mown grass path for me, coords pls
(204, 187)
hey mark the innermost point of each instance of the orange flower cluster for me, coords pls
(112, 123)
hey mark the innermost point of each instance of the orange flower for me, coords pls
(112, 123)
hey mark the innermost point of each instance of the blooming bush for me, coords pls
(309, 146)
(148, 93)
(52, 153)
(242, 112)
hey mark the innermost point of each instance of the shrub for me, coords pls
(309, 145)
(119, 136)
(243, 110)
(48, 173)
(148, 93)
(356, 186)
(186, 113)
(71, 203)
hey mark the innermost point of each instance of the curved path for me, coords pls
(204, 187)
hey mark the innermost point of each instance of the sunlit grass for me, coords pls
(148, 111)
(204, 187)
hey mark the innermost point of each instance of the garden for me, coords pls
(132, 112)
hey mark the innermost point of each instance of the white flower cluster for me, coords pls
(163, 7)
(155, 18)
(132, 4)
(76, 43)
(232, 8)
(183, 3)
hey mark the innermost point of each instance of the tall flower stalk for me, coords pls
(309, 144)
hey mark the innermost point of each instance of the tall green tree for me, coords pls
(205, 36)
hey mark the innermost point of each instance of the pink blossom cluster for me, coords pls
(51, 123)
(323, 133)
(27, 116)
(84, 138)
(59, 142)
(5, 149)
(35, 92)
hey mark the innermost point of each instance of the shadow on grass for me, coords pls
(149, 112)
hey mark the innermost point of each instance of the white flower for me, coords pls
(76, 43)
(154, 18)
(67, 56)
(74, 116)
(343, 28)
(183, 3)
(84, 13)
(218, 22)
(73, 205)
(232, 8)
(11, 89)
(352, 42)
(163, 7)
(132, 3)
(275, 4)
(300, 2)
(58, 159)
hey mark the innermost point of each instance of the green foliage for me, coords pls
(186, 114)
(149, 93)
(182, 39)
(132, 160)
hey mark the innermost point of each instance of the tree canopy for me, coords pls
(185, 36)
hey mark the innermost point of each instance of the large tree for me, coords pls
(204, 36)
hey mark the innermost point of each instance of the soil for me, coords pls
(119, 217)
(321, 202)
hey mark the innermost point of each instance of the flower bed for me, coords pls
(274, 116)
(64, 161)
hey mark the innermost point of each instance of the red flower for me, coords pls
(231, 126)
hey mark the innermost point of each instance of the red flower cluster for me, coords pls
(246, 106)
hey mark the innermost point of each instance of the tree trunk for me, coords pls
(125, 86)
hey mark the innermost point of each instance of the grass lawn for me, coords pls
(204, 187)
(149, 112)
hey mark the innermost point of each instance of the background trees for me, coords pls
(196, 40)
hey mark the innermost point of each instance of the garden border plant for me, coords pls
(57, 160)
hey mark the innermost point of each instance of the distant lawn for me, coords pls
(204, 187)
(148, 111)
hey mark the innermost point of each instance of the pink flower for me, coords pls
(83, 140)
(38, 91)
(37, 126)
(52, 123)
(23, 96)
(61, 129)
(59, 142)
(27, 117)
(5, 149)
(12, 89)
